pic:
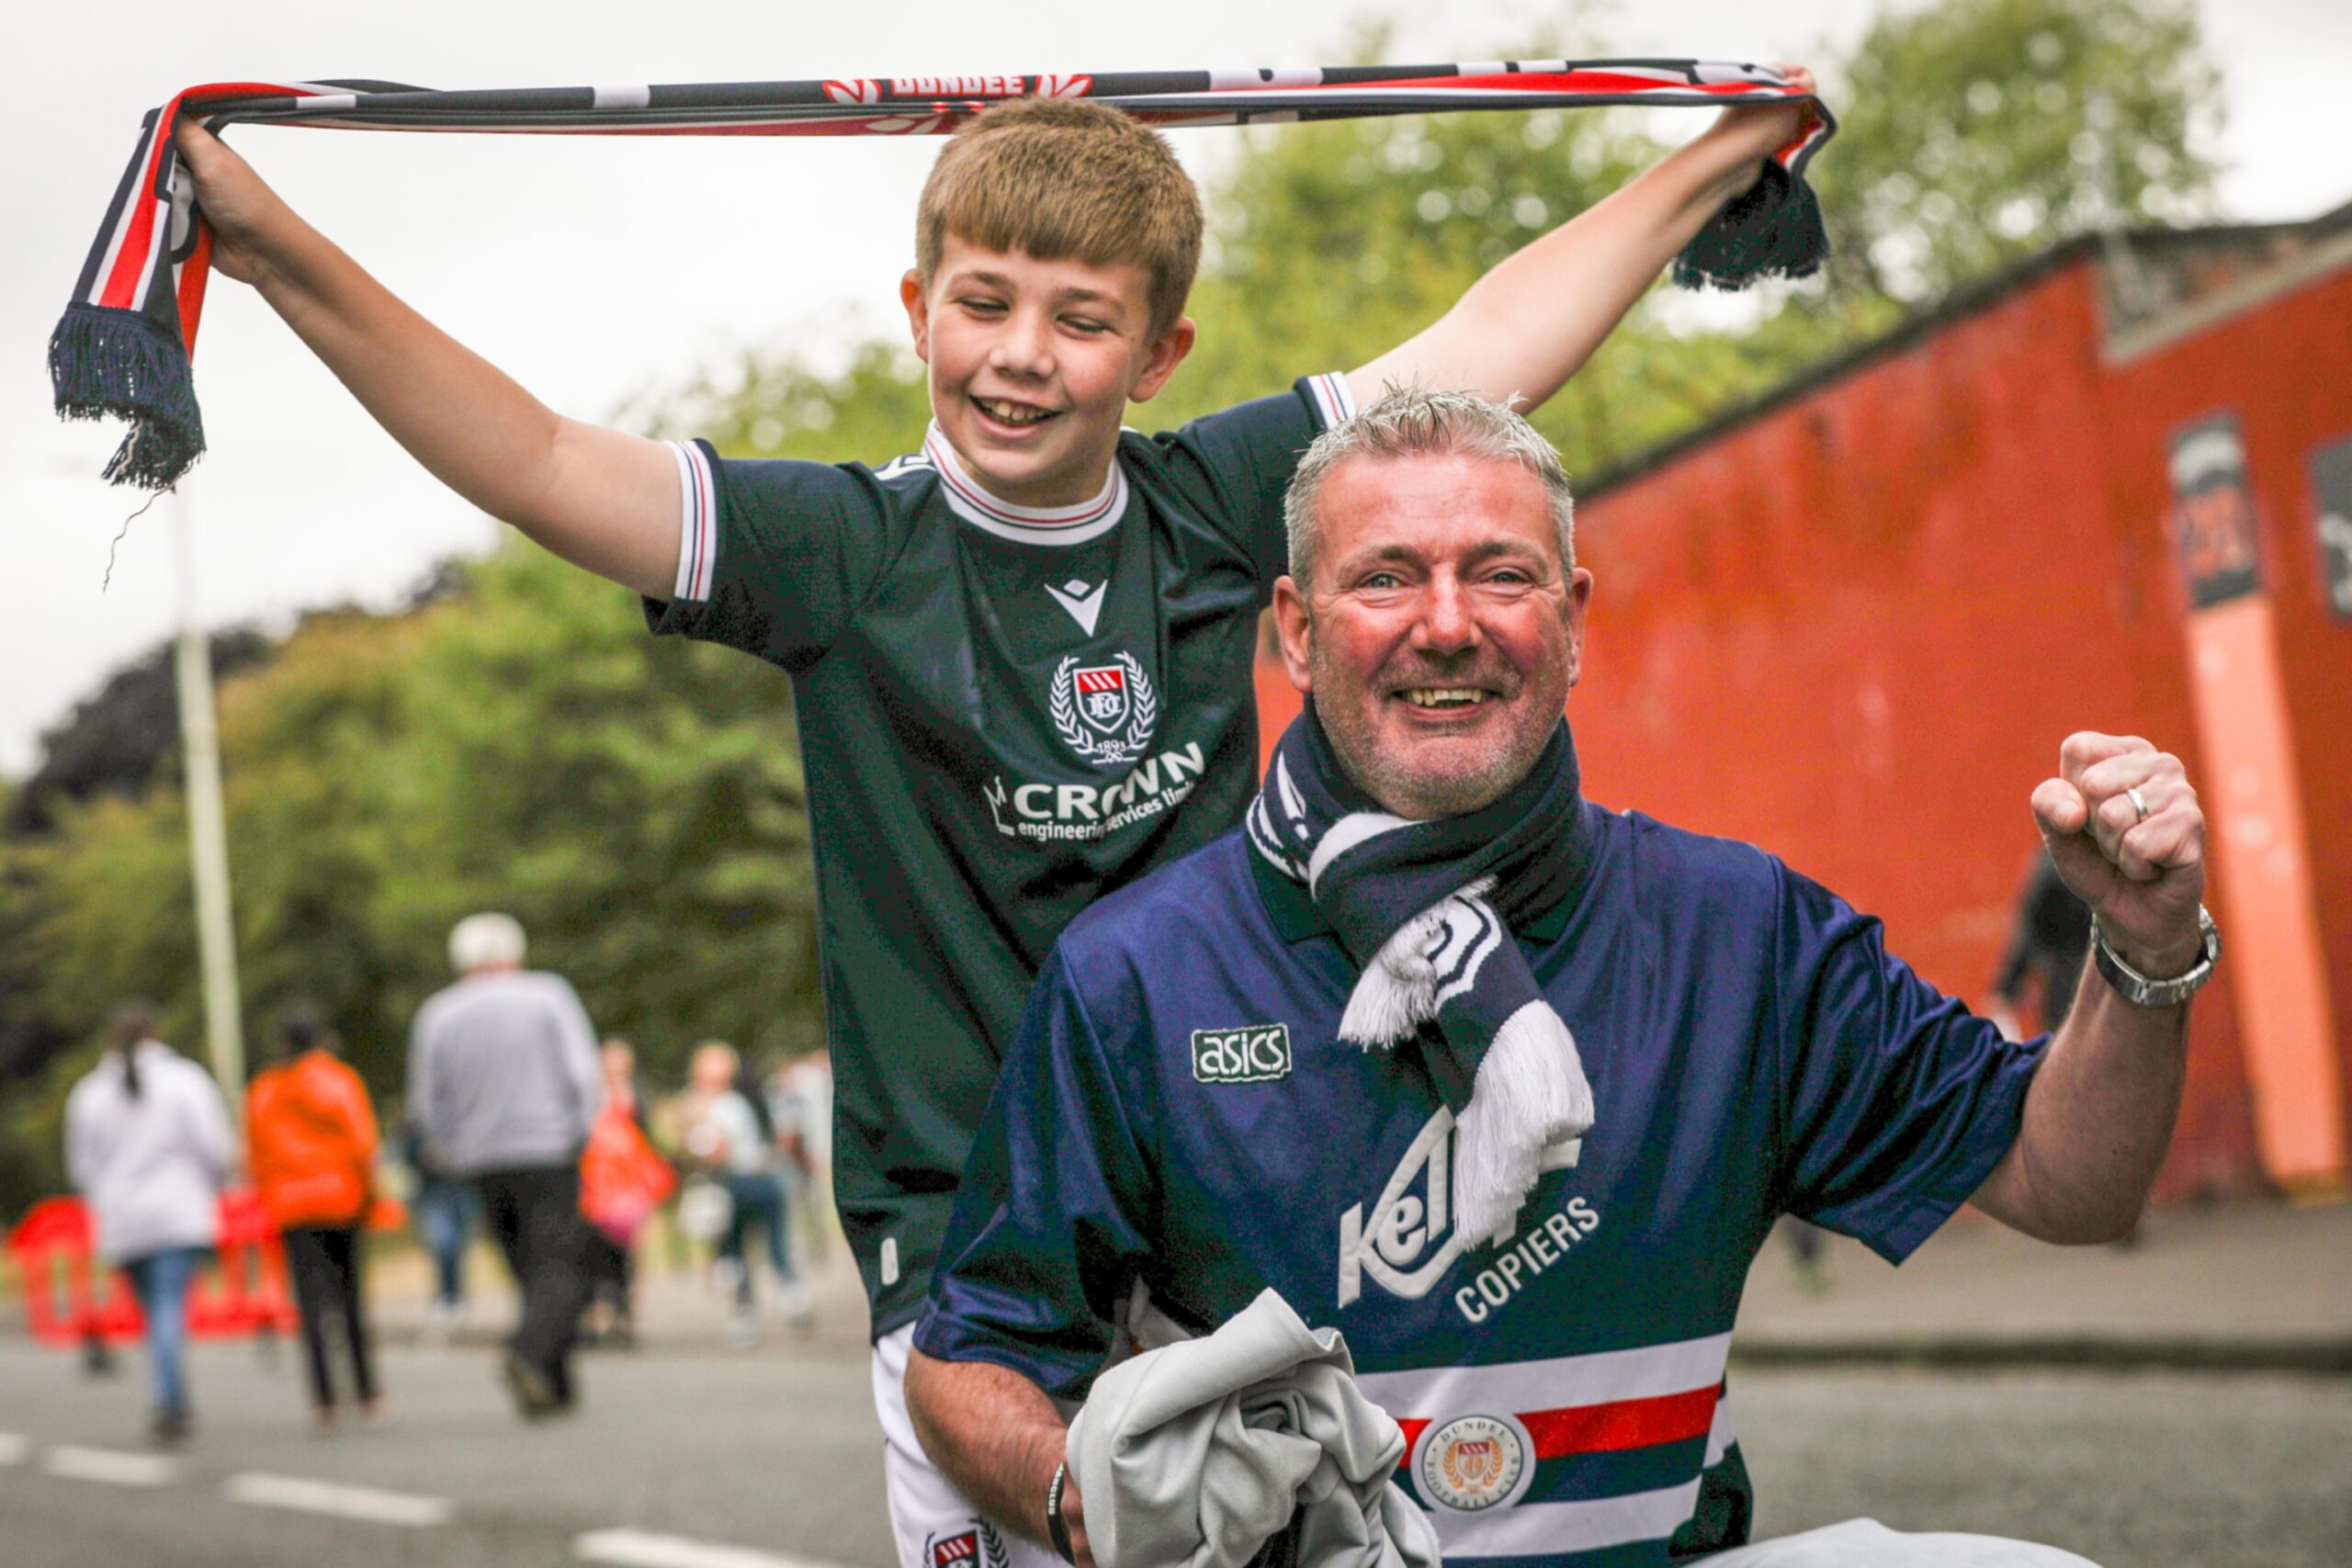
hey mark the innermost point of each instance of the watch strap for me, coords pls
(2141, 991)
(1056, 1525)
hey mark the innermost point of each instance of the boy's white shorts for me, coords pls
(935, 1526)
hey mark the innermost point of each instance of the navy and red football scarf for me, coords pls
(122, 349)
(1426, 909)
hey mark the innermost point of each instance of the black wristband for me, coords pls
(1056, 1525)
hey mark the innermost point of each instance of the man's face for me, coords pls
(1441, 633)
(1033, 364)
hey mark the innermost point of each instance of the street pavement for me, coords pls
(769, 1458)
(689, 1455)
(2251, 1286)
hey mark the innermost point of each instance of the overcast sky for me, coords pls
(589, 268)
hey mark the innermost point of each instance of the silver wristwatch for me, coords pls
(2141, 991)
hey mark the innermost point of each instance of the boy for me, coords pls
(1021, 657)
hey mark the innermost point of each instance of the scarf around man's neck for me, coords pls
(1425, 910)
(122, 349)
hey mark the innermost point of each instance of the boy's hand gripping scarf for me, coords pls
(1426, 908)
(122, 349)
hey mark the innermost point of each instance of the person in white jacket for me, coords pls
(147, 1144)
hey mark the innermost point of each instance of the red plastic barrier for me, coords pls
(70, 1301)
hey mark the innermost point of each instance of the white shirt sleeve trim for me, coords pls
(697, 523)
(1334, 403)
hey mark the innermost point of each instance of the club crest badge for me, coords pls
(979, 1547)
(1473, 1463)
(1105, 712)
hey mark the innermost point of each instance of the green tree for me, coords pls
(1976, 132)
(520, 745)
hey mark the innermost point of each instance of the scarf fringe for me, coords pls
(1772, 230)
(1531, 1093)
(110, 364)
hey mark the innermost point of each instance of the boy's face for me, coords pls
(1033, 364)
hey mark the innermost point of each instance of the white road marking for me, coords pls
(14, 1449)
(644, 1549)
(308, 1496)
(110, 1465)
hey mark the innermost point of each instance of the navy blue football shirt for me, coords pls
(1179, 1114)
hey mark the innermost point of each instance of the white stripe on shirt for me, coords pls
(697, 523)
(1512, 1387)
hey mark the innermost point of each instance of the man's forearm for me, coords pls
(2097, 1121)
(993, 1431)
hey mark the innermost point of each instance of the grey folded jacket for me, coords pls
(1196, 1455)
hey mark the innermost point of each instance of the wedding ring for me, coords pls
(2139, 803)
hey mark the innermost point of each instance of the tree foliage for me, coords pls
(523, 746)
(1980, 132)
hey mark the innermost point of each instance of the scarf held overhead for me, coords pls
(1425, 910)
(122, 349)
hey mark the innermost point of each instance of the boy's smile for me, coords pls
(1033, 364)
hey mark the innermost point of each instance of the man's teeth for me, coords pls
(1444, 696)
(1011, 413)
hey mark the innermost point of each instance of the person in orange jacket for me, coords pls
(622, 1182)
(310, 1137)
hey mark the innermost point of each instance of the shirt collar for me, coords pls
(1027, 524)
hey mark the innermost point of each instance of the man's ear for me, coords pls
(917, 304)
(1167, 352)
(1579, 600)
(1295, 625)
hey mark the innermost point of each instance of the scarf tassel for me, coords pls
(1531, 1095)
(111, 364)
(1774, 230)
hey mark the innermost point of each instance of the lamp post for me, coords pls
(207, 838)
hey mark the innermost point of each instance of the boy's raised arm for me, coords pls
(601, 498)
(1527, 326)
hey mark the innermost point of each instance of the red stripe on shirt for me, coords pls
(1626, 1424)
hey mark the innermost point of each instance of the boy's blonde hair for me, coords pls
(1058, 178)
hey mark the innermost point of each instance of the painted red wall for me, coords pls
(1855, 630)
(2285, 369)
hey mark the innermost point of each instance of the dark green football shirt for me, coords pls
(1005, 711)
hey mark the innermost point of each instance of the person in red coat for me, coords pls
(310, 1137)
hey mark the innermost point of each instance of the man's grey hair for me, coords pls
(1412, 422)
(478, 941)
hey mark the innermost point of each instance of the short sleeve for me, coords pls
(1237, 464)
(1897, 1101)
(1048, 1235)
(774, 556)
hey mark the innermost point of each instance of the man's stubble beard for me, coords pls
(1413, 793)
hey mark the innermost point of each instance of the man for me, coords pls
(503, 1083)
(1524, 1177)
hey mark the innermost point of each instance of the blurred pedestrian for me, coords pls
(445, 1209)
(724, 1137)
(622, 1182)
(311, 1143)
(147, 1144)
(800, 1101)
(2051, 942)
(504, 1082)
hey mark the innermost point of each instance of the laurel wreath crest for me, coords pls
(992, 1551)
(1143, 714)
